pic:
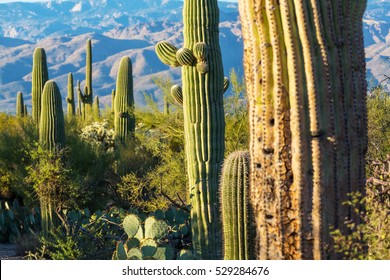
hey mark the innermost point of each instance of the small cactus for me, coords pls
(70, 99)
(166, 52)
(177, 94)
(19, 105)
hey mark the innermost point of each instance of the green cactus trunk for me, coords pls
(70, 99)
(80, 105)
(124, 120)
(204, 124)
(39, 78)
(87, 97)
(235, 207)
(96, 108)
(51, 127)
(25, 112)
(19, 105)
(307, 120)
(113, 101)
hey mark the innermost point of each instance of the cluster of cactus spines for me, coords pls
(235, 206)
(307, 120)
(124, 119)
(87, 96)
(202, 80)
(39, 77)
(177, 94)
(51, 126)
(96, 108)
(70, 99)
(20, 108)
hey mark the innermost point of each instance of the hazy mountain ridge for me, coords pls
(131, 28)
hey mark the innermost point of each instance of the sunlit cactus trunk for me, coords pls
(87, 97)
(124, 120)
(237, 239)
(51, 126)
(204, 125)
(19, 105)
(70, 99)
(305, 78)
(39, 78)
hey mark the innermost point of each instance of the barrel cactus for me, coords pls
(51, 126)
(202, 88)
(39, 78)
(307, 120)
(124, 120)
(235, 206)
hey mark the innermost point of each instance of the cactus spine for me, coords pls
(70, 99)
(203, 119)
(307, 120)
(19, 105)
(235, 206)
(124, 120)
(39, 78)
(51, 127)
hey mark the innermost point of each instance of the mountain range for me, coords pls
(130, 28)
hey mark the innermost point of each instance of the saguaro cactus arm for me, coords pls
(19, 105)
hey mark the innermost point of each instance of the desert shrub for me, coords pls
(378, 110)
(82, 236)
(236, 115)
(370, 239)
(16, 136)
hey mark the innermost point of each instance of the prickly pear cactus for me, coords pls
(161, 236)
(202, 88)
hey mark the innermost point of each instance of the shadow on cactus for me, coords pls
(161, 236)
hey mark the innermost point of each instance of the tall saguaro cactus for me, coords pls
(51, 126)
(124, 120)
(39, 78)
(70, 99)
(202, 90)
(19, 105)
(305, 78)
(87, 97)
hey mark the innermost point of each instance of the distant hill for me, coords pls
(130, 28)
